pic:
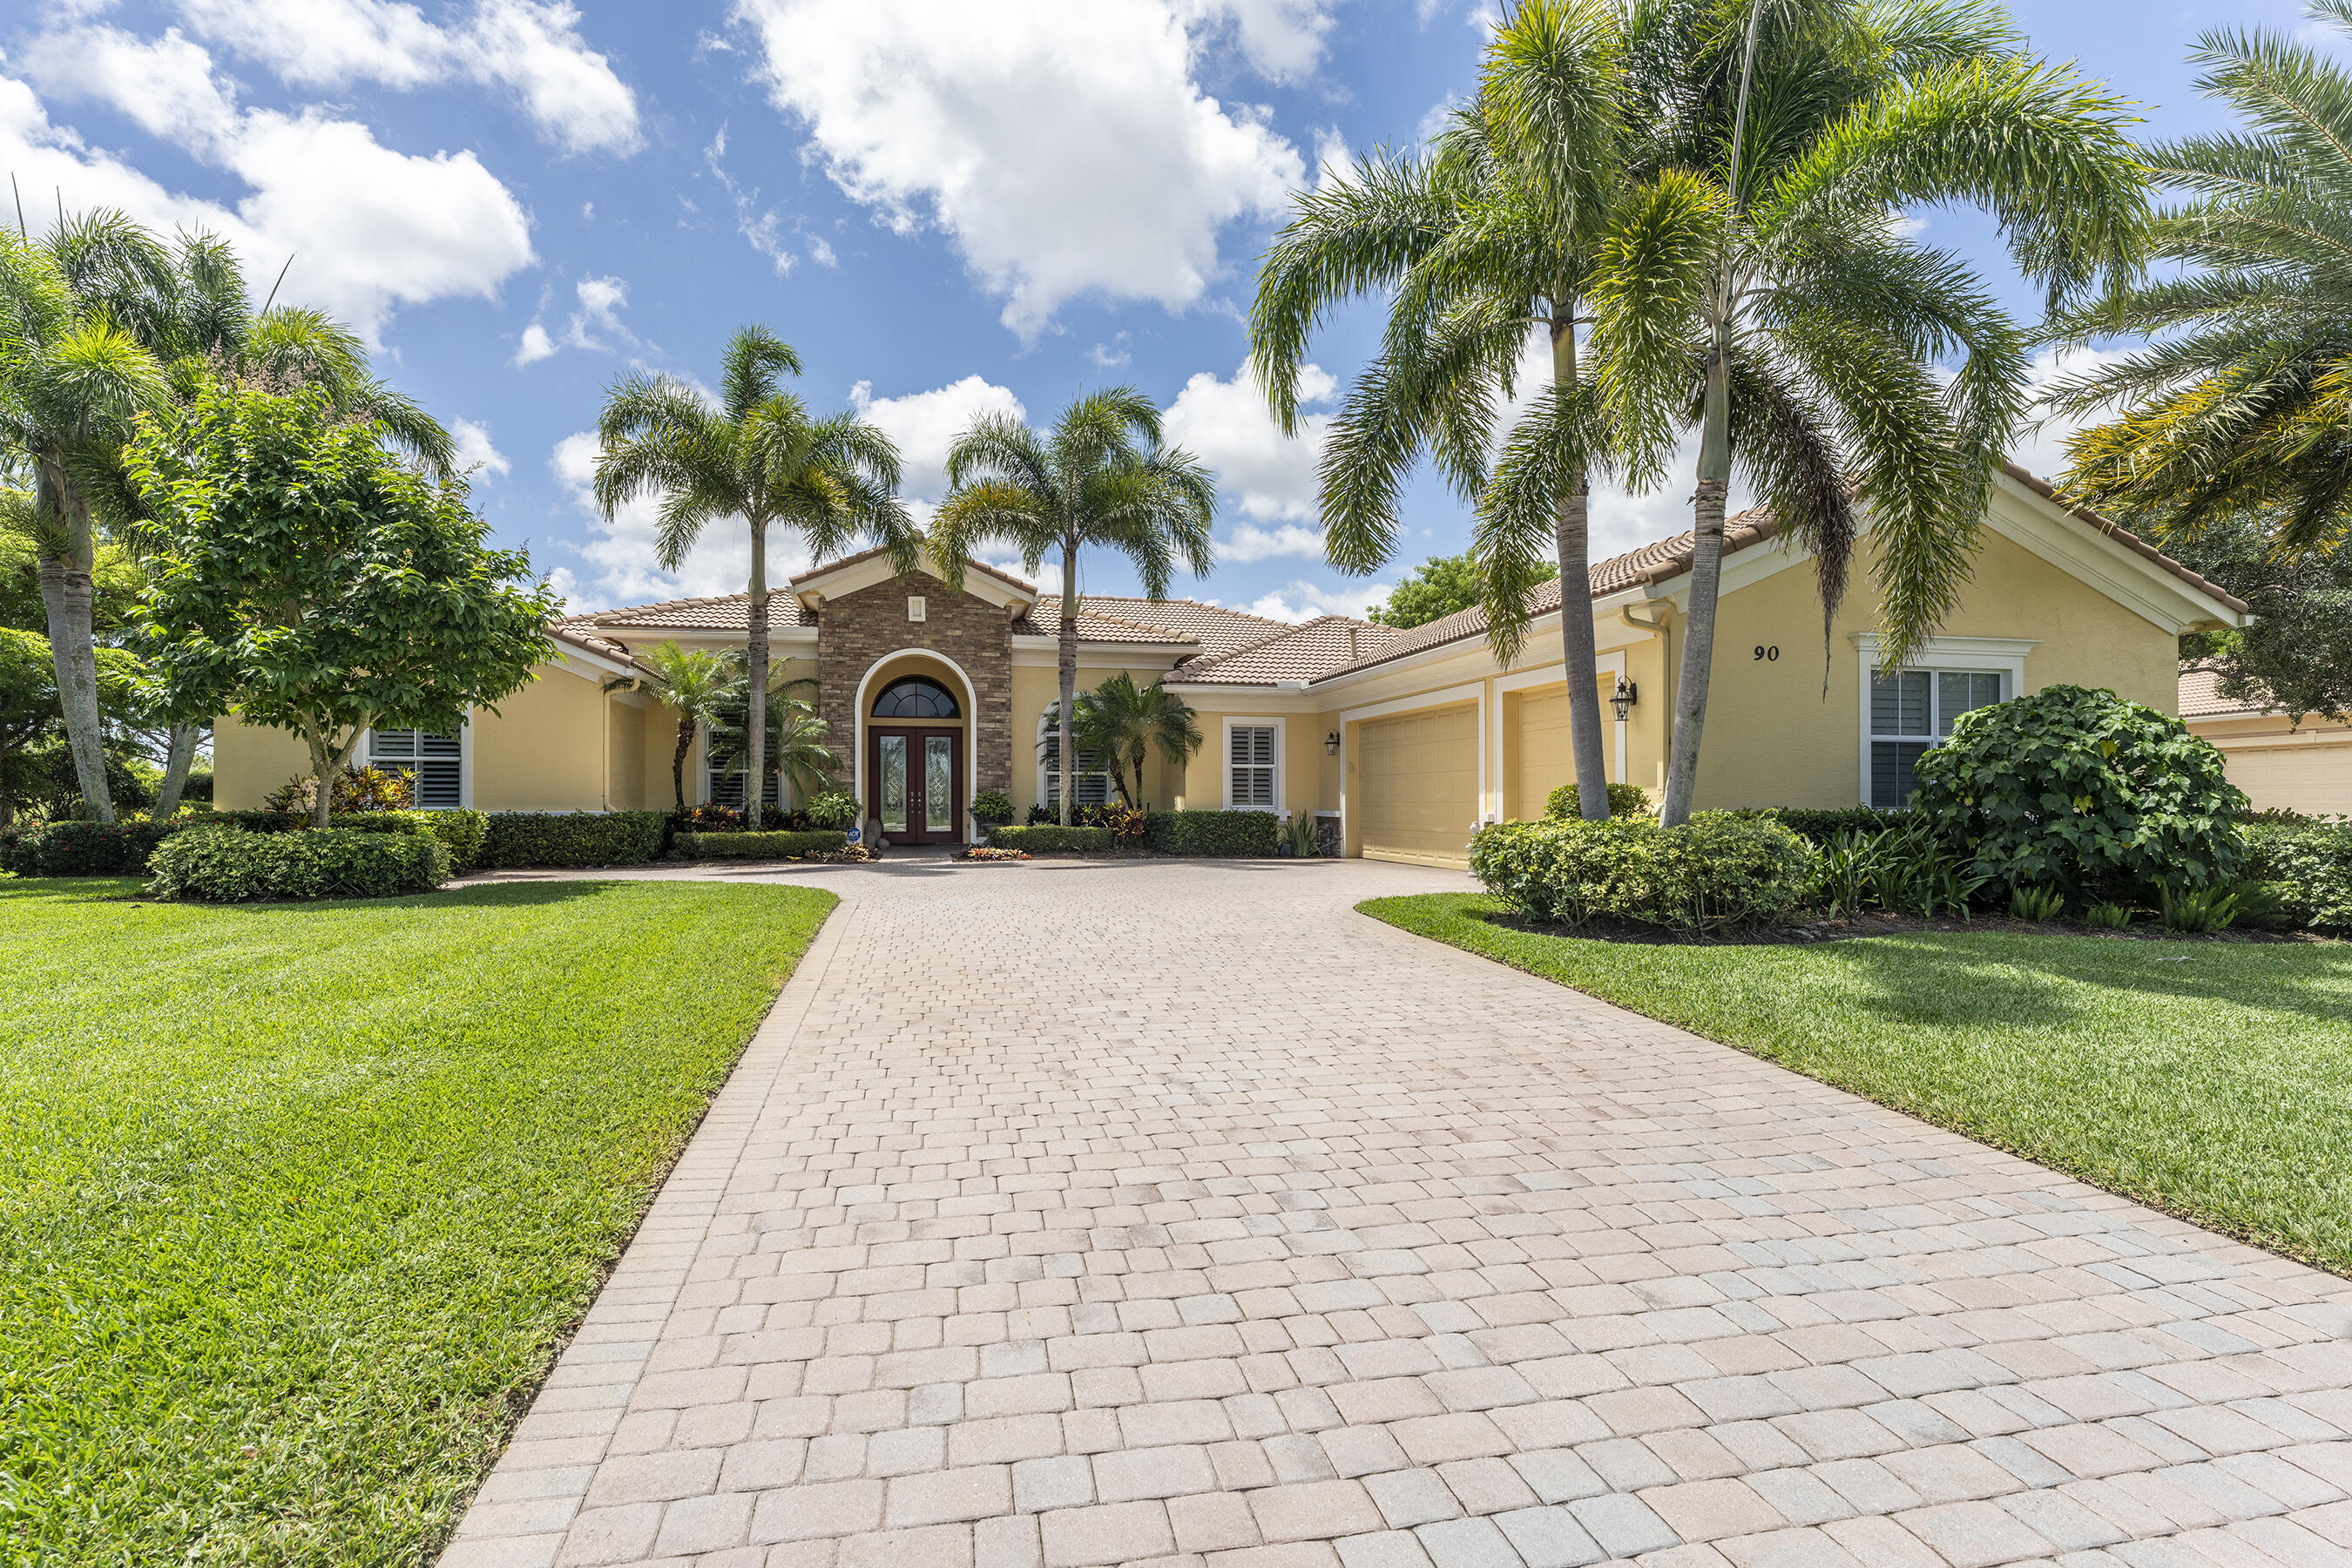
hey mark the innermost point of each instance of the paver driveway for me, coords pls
(1074, 1215)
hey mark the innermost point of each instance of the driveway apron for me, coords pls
(1069, 1215)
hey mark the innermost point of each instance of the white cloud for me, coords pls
(1303, 601)
(165, 87)
(595, 325)
(475, 451)
(1112, 355)
(621, 553)
(532, 48)
(2040, 449)
(925, 423)
(369, 229)
(1267, 475)
(767, 231)
(1282, 39)
(1066, 150)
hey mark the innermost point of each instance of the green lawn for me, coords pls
(2209, 1080)
(298, 1202)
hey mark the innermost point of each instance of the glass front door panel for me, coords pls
(939, 782)
(893, 784)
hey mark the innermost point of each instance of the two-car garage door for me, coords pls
(1416, 778)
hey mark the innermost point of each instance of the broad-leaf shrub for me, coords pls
(991, 807)
(1822, 825)
(228, 865)
(1715, 870)
(832, 808)
(75, 849)
(1624, 800)
(459, 832)
(1052, 838)
(781, 846)
(2312, 858)
(573, 837)
(1213, 832)
(2084, 791)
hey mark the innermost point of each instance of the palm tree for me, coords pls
(759, 455)
(1087, 483)
(99, 321)
(694, 684)
(798, 755)
(2245, 407)
(1122, 721)
(1493, 235)
(1756, 283)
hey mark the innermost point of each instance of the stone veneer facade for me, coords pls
(857, 630)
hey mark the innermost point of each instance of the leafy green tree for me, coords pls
(2297, 655)
(28, 713)
(308, 581)
(1101, 479)
(1755, 282)
(757, 455)
(2242, 407)
(696, 684)
(1121, 722)
(1441, 587)
(1493, 235)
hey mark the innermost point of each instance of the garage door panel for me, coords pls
(2315, 779)
(1417, 776)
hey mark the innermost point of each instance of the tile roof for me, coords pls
(2126, 538)
(835, 564)
(581, 637)
(2199, 699)
(1302, 652)
(725, 613)
(1096, 627)
(1216, 629)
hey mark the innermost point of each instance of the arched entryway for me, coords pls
(915, 760)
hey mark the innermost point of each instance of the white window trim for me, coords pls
(1281, 761)
(2006, 655)
(465, 763)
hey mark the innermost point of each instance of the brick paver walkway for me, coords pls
(1066, 1215)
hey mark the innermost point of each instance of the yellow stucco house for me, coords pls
(1404, 741)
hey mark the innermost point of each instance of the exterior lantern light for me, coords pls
(1331, 745)
(1622, 699)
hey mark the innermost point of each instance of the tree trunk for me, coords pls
(1069, 672)
(325, 769)
(755, 705)
(678, 763)
(1572, 530)
(1706, 580)
(180, 756)
(65, 595)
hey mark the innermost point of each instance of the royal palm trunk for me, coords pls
(1069, 661)
(66, 597)
(755, 703)
(1574, 539)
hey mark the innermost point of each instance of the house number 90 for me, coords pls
(1763, 652)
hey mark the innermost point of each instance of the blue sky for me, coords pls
(946, 205)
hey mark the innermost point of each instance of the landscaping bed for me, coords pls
(298, 1203)
(2211, 1078)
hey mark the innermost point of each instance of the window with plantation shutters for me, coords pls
(1250, 748)
(1912, 709)
(433, 764)
(1095, 787)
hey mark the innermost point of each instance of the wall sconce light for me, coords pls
(1622, 699)
(1331, 745)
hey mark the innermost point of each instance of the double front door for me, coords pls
(915, 784)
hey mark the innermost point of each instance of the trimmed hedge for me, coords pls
(1052, 838)
(756, 845)
(1624, 800)
(1212, 832)
(1714, 871)
(459, 832)
(228, 865)
(1819, 825)
(573, 837)
(2313, 859)
(88, 848)
(257, 821)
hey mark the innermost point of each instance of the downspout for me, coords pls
(1662, 629)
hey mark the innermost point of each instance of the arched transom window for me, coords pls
(917, 697)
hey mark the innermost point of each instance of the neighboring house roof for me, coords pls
(1303, 652)
(725, 613)
(1216, 629)
(2200, 700)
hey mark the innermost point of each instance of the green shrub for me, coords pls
(198, 785)
(992, 806)
(1052, 838)
(1213, 832)
(228, 865)
(1820, 825)
(2267, 906)
(2198, 909)
(74, 848)
(2109, 916)
(2032, 903)
(2085, 791)
(459, 832)
(1624, 800)
(573, 837)
(2313, 859)
(1716, 870)
(1904, 870)
(258, 821)
(757, 846)
(835, 808)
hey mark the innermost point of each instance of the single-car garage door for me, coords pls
(1417, 777)
(2314, 777)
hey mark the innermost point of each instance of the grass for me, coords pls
(2212, 1080)
(298, 1203)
